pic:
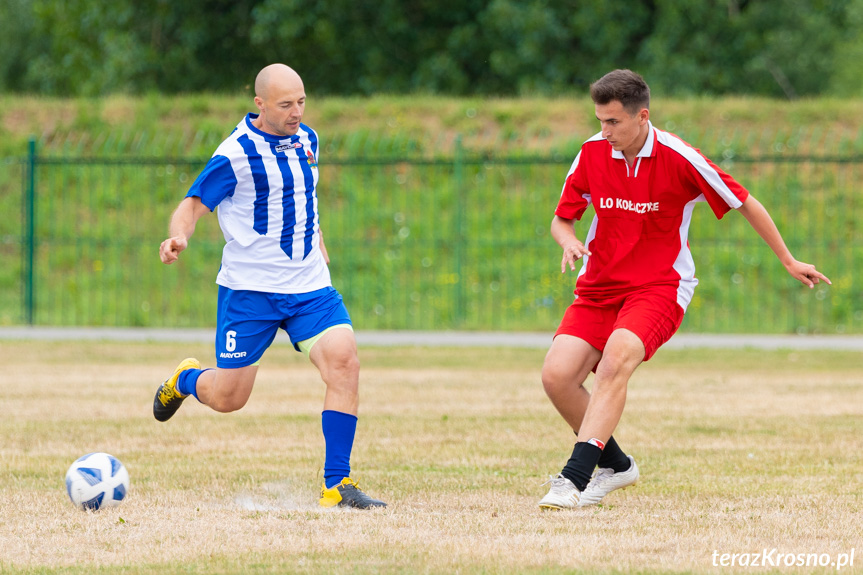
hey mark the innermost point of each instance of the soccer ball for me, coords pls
(97, 480)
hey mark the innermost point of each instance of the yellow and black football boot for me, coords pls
(168, 399)
(347, 494)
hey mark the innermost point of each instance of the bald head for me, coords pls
(281, 99)
(274, 76)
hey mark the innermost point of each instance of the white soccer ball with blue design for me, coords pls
(97, 480)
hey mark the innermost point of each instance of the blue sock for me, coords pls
(187, 383)
(339, 430)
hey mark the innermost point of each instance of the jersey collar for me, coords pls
(646, 149)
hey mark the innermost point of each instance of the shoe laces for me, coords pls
(601, 474)
(551, 479)
(166, 394)
(349, 485)
(559, 483)
(352, 491)
(349, 482)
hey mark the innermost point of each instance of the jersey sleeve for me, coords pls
(720, 190)
(575, 196)
(216, 182)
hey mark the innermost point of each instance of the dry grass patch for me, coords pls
(535, 125)
(740, 451)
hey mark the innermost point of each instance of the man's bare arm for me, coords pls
(763, 224)
(563, 232)
(182, 227)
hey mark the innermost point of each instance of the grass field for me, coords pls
(740, 451)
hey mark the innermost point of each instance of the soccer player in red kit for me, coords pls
(638, 274)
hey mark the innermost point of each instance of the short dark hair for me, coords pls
(625, 86)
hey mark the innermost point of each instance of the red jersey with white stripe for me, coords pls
(638, 237)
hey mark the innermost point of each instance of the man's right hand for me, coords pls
(572, 252)
(170, 249)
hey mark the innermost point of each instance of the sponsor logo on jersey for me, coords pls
(232, 355)
(311, 158)
(292, 146)
(628, 205)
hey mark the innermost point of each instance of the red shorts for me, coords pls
(652, 314)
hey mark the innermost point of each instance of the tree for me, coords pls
(783, 48)
(20, 43)
(104, 46)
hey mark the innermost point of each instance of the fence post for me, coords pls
(459, 231)
(30, 234)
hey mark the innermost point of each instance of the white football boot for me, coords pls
(562, 495)
(605, 481)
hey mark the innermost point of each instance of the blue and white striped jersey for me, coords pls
(264, 187)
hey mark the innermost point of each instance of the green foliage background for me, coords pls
(785, 48)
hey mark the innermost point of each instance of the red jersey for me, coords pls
(638, 236)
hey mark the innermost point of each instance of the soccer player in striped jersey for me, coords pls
(637, 277)
(274, 274)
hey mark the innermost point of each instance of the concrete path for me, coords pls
(435, 338)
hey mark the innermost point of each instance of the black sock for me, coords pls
(581, 464)
(613, 457)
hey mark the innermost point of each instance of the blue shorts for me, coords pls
(247, 321)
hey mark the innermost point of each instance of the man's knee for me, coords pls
(343, 363)
(567, 364)
(558, 376)
(231, 389)
(616, 367)
(552, 378)
(335, 355)
(623, 353)
(227, 403)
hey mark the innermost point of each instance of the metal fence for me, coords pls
(431, 244)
